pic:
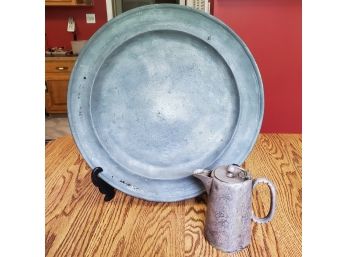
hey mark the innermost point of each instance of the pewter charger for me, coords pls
(160, 91)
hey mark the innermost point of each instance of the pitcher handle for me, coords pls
(273, 200)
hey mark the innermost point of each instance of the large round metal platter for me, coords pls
(160, 91)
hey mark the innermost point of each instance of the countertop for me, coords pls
(80, 223)
(60, 57)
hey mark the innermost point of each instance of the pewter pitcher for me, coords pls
(229, 211)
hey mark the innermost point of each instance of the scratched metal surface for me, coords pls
(162, 90)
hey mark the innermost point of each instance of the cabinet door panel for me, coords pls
(56, 96)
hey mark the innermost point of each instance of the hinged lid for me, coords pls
(231, 174)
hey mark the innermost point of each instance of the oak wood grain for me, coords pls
(80, 223)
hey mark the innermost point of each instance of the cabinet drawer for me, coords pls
(60, 66)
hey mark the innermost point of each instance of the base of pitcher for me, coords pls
(228, 250)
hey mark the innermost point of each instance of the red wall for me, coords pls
(272, 29)
(57, 22)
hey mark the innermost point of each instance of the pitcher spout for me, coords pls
(204, 176)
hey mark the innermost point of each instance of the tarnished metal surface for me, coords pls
(160, 91)
(229, 211)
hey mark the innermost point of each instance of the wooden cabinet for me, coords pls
(58, 70)
(68, 2)
(59, 1)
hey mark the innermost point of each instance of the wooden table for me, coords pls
(80, 223)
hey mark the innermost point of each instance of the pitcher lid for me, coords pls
(231, 174)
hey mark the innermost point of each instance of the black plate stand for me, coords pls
(103, 187)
